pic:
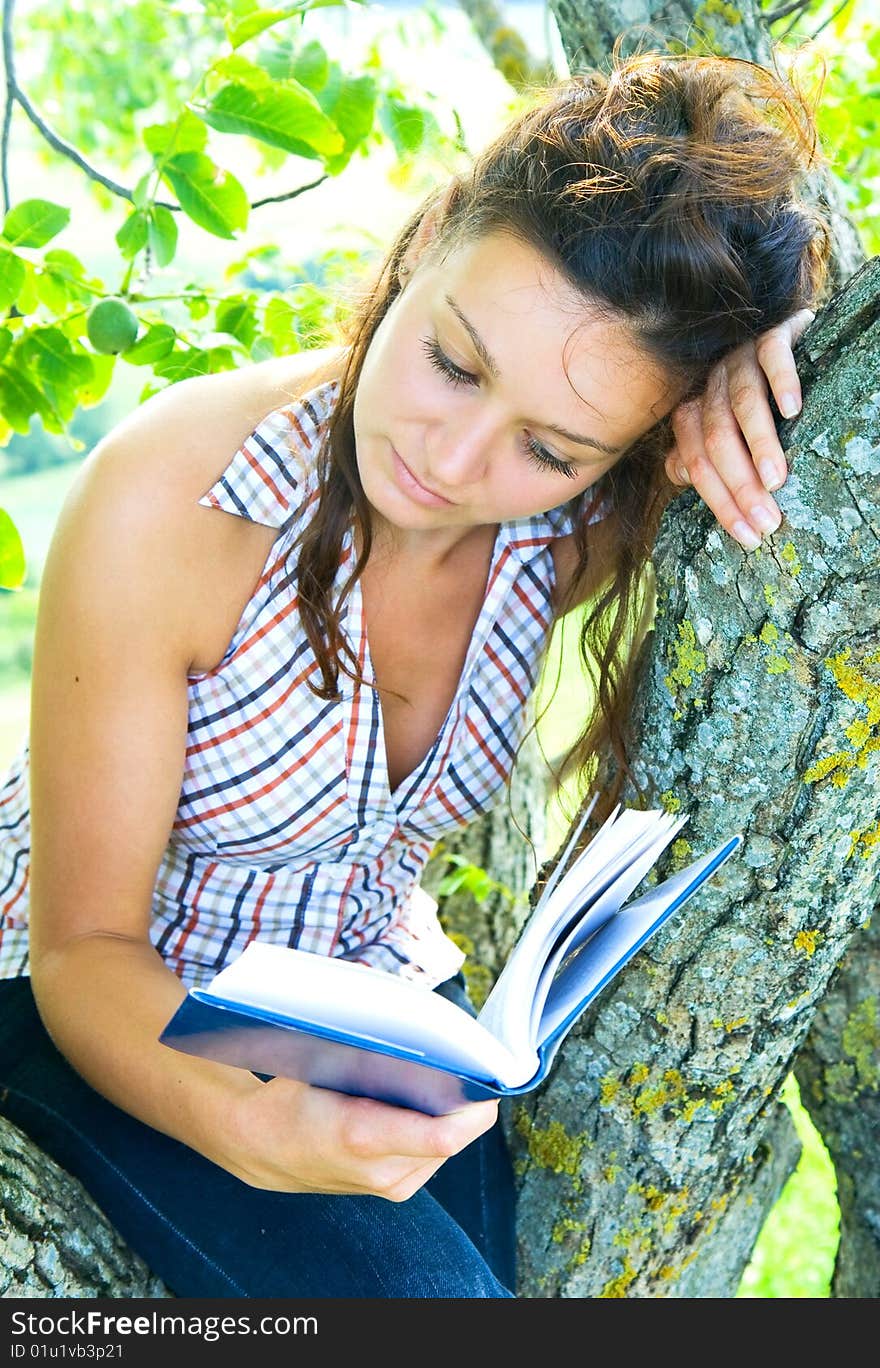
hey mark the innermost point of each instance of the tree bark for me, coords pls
(838, 1067)
(839, 1075)
(589, 31)
(56, 1242)
(756, 711)
(588, 35)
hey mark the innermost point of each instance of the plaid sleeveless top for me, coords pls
(286, 829)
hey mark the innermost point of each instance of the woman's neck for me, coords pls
(434, 550)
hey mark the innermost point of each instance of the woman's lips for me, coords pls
(412, 487)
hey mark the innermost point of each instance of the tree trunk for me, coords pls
(589, 31)
(756, 711)
(588, 35)
(839, 1074)
(56, 1242)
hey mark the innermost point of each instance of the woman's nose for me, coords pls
(459, 452)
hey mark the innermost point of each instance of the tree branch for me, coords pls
(7, 110)
(508, 50)
(771, 16)
(829, 20)
(14, 93)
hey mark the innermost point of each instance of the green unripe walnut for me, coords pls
(111, 326)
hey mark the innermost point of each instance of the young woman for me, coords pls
(590, 316)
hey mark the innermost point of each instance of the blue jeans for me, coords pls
(207, 1234)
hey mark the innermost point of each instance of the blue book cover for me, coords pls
(336, 1024)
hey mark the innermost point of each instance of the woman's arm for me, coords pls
(725, 442)
(134, 570)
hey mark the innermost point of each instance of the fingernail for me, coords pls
(764, 519)
(789, 405)
(682, 474)
(746, 536)
(770, 475)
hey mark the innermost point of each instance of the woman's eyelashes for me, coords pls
(445, 365)
(456, 375)
(546, 460)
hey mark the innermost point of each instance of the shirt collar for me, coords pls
(527, 537)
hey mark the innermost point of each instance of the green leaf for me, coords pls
(19, 399)
(285, 116)
(221, 359)
(33, 222)
(141, 192)
(279, 323)
(240, 30)
(13, 566)
(351, 103)
(27, 295)
(132, 236)
(197, 306)
(63, 405)
(236, 315)
(182, 364)
(405, 125)
(472, 879)
(311, 66)
(149, 390)
(841, 19)
(52, 292)
(58, 259)
(157, 342)
(212, 198)
(63, 278)
(186, 134)
(93, 391)
(51, 357)
(162, 230)
(243, 72)
(5, 341)
(263, 349)
(11, 277)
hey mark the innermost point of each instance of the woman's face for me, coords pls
(491, 392)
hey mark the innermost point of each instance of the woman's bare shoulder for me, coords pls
(144, 479)
(187, 434)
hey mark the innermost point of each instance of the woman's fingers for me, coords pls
(773, 350)
(726, 443)
(749, 405)
(711, 450)
(713, 491)
(372, 1129)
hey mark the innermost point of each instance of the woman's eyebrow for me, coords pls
(492, 367)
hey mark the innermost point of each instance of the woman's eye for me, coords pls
(457, 376)
(445, 365)
(546, 460)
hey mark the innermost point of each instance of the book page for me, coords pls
(588, 970)
(376, 1007)
(623, 836)
(629, 874)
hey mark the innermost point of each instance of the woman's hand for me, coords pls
(725, 441)
(289, 1137)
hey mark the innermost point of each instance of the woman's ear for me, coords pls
(432, 221)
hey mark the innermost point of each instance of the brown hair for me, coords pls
(667, 191)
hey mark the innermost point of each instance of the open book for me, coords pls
(340, 1025)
